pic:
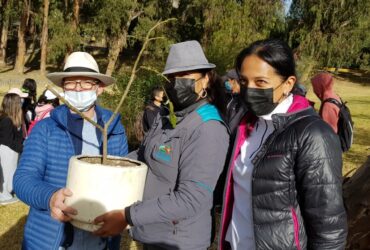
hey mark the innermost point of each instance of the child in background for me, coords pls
(45, 104)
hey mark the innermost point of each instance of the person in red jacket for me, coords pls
(322, 84)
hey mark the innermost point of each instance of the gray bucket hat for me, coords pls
(186, 56)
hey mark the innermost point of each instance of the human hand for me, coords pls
(59, 210)
(113, 223)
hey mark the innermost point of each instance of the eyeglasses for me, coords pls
(84, 84)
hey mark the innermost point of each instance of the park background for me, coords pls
(37, 35)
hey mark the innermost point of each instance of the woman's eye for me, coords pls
(261, 82)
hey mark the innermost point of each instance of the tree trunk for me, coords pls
(44, 37)
(4, 41)
(74, 25)
(21, 46)
(357, 199)
(116, 46)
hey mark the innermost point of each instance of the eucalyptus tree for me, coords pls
(330, 33)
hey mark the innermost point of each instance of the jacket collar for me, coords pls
(60, 116)
(182, 113)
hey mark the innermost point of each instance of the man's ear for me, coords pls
(100, 89)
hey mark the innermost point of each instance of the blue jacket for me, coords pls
(43, 168)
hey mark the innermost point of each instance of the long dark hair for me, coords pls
(275, 52)
(215, 91)
(29, 86)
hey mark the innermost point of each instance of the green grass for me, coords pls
(12, 217)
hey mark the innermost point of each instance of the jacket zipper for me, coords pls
(296, 229)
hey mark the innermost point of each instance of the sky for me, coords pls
(287, 5)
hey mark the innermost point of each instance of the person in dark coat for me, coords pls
(153, 108)
(284, 183)
(29, 86)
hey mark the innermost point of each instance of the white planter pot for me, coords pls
(98, 188)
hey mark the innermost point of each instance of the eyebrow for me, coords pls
(256, 77)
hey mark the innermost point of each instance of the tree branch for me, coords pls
(131, 80)
(49, 87)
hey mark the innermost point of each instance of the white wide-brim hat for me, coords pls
(80, 64)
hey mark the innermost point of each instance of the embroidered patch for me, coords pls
(164, 153)
(166, 149)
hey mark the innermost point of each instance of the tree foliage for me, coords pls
(331, 33)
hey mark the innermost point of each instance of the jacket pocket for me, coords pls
(296, 228)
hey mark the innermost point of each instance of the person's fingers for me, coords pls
(102, 232)
(67, 192)
(99, 219)
(58, 214)
(67, 210)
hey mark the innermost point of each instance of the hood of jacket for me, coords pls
(322, 85)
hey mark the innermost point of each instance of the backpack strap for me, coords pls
(339, 104)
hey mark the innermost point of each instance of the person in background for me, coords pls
(40, 178)
(45, 104)
(322, 84)
(23, 97)
(284, 183)
(184, 161)
(234, 108)
(29, 86)
(153, 108)
(10, 144)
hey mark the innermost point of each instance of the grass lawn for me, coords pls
(12, 217)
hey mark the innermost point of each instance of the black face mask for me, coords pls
(182, 93)
(164, 100)
(258, 101)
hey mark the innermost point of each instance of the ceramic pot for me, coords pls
(98, 188)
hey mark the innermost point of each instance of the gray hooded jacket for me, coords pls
(184, 165)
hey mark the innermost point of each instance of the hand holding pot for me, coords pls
(59, 210)
(113, 223)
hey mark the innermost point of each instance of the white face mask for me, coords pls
(81, 100)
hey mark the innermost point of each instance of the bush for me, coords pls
(135, 101)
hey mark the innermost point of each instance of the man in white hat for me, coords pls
(42, 172)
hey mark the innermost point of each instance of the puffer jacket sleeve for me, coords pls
(28, 178)
(318, 173)
(117, 139)
(201, 161)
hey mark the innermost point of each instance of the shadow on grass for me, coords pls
(359, 77)
(12, 239)
(6, 70)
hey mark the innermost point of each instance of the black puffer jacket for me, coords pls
(297, 187)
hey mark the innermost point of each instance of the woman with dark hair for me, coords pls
(29, 86)
(184, 160)
(284, 184)
(10, 144)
